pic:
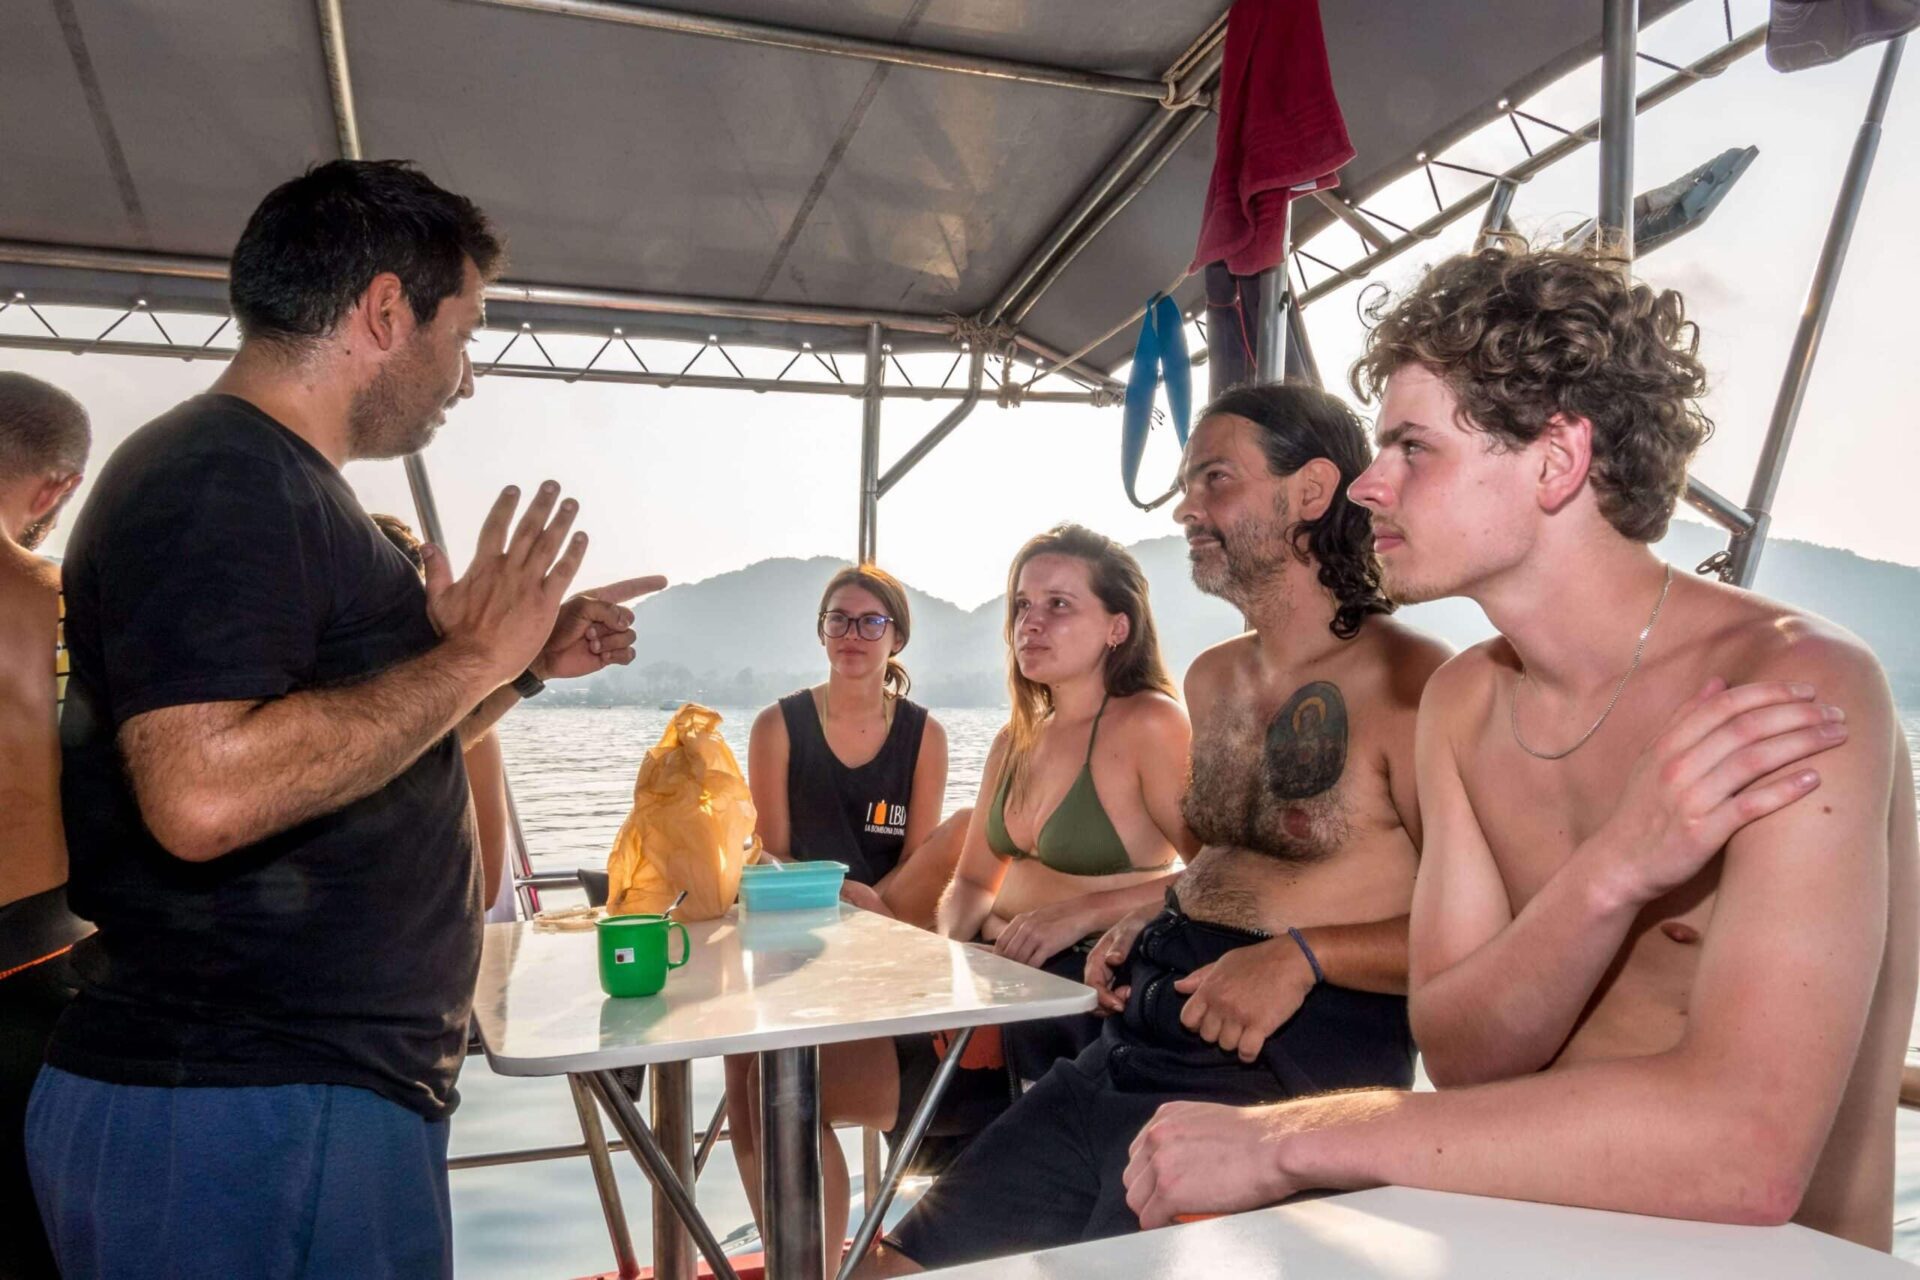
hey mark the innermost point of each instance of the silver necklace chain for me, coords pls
(1639, 651)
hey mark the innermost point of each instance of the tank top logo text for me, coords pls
(884, 819)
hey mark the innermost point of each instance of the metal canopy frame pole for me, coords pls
(1746, 548)
(1047, 258)
(1619, 47)
(653, 18)
(1705, 68)
(1494, 223)
(1171, 142)
(976, 369)
(870, 448)
(1276, 299)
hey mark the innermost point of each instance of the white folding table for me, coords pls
(1395, 1233)
(777, 984)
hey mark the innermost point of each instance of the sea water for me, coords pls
(572, 770)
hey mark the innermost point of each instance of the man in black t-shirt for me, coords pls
(265, 806)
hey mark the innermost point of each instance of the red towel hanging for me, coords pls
(1281, 133)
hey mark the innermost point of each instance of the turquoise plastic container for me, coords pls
(793, 886)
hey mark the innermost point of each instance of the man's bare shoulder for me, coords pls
(1220, 664)
(1464, 684)
(1408, 655)
(1751, 637)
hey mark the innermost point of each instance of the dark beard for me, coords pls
(1249, 557)
(36, 533)
(383, 421)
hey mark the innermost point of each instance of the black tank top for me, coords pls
(855, 816)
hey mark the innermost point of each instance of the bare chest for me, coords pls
(1280, 776)
(1535, 814)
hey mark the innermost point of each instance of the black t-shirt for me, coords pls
(222, 558)
(856, 816)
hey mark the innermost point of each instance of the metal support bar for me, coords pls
(525, 1155)
(976, 369)
(670, 1088)
(898, 1159)
(790, 1163)
(1171, 141)
(625, 1263)
(175, 266)
(627, 1122)
(715, 1130)
(653, 18)
(1276, 298)
(870, 448)
(333, 40)
(1619, 39)
(1144, 140)
(1717, 507)
(1301, 347)
(870, 1169)
(1104, 395)
(1333, 204)
(1710, 65)
(1494, 223)
(1813, 320)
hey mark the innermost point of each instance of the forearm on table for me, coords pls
(1507, 1008)
(1653, 1135)
(207, 792)
(963, 909)
(1362, 957)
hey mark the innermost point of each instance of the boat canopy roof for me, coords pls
(778, 188)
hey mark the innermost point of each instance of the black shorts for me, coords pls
(1048, 1172)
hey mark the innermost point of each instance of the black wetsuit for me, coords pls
(1048, 1172)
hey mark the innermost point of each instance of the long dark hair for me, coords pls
(892, 596)
(1299, 423)
(1132, 666)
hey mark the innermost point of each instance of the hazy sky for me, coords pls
(693, 483)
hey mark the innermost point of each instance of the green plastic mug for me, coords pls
(633, 953)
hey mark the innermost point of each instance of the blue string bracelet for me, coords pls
(1313, 961)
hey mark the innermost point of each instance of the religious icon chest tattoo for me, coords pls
(1306, 748)
(1275, 787)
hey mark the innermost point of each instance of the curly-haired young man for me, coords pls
(1663, 939)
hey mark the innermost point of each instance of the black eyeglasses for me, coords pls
(834, 624)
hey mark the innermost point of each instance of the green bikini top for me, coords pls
(1078, 838)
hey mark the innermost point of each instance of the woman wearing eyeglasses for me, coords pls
(851, 770)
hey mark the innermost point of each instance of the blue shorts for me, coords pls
(284, 1181)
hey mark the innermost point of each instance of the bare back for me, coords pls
(1302, 788)
(1534, 813)
(33, 851)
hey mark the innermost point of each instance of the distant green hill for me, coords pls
(745, 637)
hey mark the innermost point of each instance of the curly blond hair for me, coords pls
(1522, 335)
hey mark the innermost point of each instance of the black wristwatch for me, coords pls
(527, 684)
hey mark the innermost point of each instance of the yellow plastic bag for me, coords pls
(691, 827)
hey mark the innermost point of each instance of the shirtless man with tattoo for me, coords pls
(1251, 984)
(1664, 943)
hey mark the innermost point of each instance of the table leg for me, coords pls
(624, 1261)
(639, 1138)
(790, 1163)
(672, 1096)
